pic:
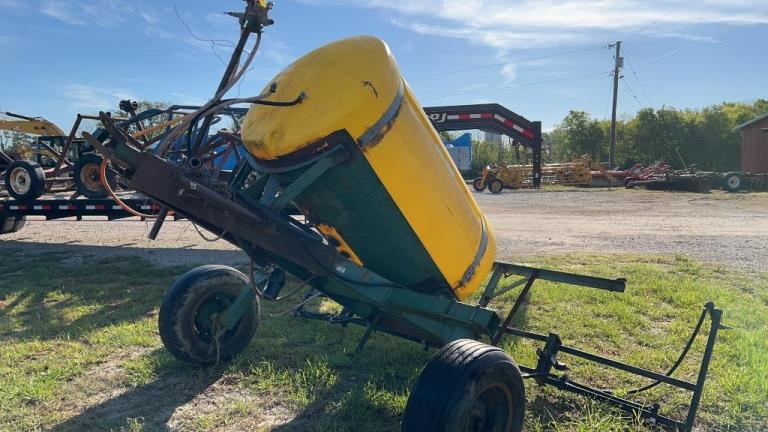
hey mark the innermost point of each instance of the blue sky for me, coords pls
(540, 58)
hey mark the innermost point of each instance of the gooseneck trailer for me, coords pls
(338, 136)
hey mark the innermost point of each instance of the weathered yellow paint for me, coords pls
(350, 84)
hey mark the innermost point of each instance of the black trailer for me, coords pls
(13, 213)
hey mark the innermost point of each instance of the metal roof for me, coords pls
(751, 122)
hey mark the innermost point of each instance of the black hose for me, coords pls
(680, 359)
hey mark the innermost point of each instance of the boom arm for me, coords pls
(30, 125)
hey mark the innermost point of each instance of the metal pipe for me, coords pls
(717, 316)
(515, 307)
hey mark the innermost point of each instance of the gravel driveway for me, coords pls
(716, 227)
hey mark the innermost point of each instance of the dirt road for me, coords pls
(716, 227)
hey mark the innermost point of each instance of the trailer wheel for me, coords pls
(479, 184)
(495, 186)
(19, 223)
(732, 181)
(12, 224)
(467, 386)
(88, 179)
(628, 181)
(25, 180)
(185, 319)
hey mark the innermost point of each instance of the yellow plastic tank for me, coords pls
(397, 205)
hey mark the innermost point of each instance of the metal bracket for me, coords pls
(373, 133)
(331, 159)
(227, 319)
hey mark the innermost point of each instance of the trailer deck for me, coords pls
(61, 206)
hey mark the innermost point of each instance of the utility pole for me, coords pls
(619, 63)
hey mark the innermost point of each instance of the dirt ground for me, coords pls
(714, 227)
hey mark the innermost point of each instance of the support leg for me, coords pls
(515, 307)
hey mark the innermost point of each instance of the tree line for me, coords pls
(705, 137)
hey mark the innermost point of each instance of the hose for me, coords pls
(680, 359)
(111, 193)
(202, 111)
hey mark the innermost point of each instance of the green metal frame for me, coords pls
(253, 218)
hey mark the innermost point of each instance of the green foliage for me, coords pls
(705, 137)
(578, 135)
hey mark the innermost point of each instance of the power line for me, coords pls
(691, 45)
(530, 83)
(642, 29)
(608, 102)
(642, 87)
(626, 84)
(486, 66)
(214, 42)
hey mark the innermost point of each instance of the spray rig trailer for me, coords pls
(337, 136)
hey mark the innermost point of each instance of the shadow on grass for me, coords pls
(45, 298)
(148, 407)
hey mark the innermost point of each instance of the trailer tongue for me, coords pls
(339, 142)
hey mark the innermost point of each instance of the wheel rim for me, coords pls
(211, 306)
(491, 410)
(21, 181)
(90, 178)
(734, 181)
(496, 186)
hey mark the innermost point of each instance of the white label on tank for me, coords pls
(341, 269)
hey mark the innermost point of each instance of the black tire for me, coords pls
(87, 177)
(12, 224)
(24, 180)
(19, 223)
(479, 184)
(183, 329)
(495, 186)
(463, 387)
(627, 182)
(732, 181)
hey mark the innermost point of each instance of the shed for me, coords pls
(754, 145)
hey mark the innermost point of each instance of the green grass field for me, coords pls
(79, 350)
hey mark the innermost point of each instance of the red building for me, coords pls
(754, 145)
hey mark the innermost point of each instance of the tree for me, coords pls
(705, 137)
(578, 135)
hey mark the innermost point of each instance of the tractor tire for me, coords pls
(186, 311)
(495, 186)
(479, 184)
(467, 386)
(12, 224)
(732, 181)
(25, 180)
(88, 179)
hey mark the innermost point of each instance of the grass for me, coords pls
(79, 350)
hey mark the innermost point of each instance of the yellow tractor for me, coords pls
(574, 173)
(497, 178)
